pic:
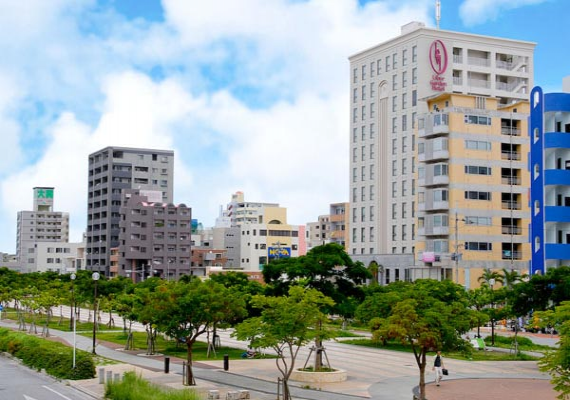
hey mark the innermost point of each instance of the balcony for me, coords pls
(511, 230)
(511, 255)
(510, 205)
(480, 83)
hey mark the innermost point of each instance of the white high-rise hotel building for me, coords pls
(388, 87)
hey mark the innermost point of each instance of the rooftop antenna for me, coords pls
(437, 12)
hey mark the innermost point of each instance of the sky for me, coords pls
(252, 95)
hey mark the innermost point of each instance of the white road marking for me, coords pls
(56, 392)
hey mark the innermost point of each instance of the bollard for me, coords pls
(101, 375)
(166, 365)
(226, 362)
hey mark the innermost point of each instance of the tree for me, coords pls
(425, 321)
(557, 362)
(478, 299)
(285, 325)
(485, 278)
(510, 278)
(187, 310)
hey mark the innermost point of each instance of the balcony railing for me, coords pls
(510, 205)
(479, 83)
(510, 155)
(512, 255)
(511, 230)
(510, 180)
(457, 80)
(458, 58)
(506, 130)
(481, 62)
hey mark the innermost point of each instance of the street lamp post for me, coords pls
(492, 283)
(73, 321)
(95, 278)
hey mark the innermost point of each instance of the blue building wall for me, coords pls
(542, 215)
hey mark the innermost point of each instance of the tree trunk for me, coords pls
(422, 382)
(318, 354)
(189, 373)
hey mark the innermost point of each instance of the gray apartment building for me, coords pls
(155, 237)
(111, 170)
(42, 224)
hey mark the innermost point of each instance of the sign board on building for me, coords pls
(438, 60)
(278, 252)
(153, 196)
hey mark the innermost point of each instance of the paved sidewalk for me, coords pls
(387, 379)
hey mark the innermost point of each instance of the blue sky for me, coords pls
(250, 94)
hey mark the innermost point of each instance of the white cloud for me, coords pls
(474, 12)
(284, 142)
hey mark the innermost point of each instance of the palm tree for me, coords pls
(488, 275)
(509, 278)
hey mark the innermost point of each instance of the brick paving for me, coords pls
(491, 389)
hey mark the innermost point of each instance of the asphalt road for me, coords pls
(17, 382)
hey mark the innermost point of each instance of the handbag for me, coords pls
(444, 371)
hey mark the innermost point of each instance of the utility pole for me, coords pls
(456, 247)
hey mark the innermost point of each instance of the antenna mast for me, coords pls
(437, 12)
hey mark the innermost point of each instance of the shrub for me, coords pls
(55, 358)
(133, 387)
(508, 340)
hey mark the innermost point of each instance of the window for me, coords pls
(387, 64)
(394, 146)
(440, 170)
(478, 246)
(354, 158)
(371, 234)
(363, 234)
(414, 76)
(354, 214)
(354, 95)
(372, 90)
(363, 132)
(413, 122)
(404, 188)
(363, 173)
(394, 232)
(414, 54)
(372, 131)
(478, 145)
(372, 110)
(477, 170)
(362, 214)
(414, 98)
(363, 113)
(404, 57)
(354, 196)
(354, 135)
(363, 153)
(404, 144)
(363, 72)
(363, 93)
(474, 195)
(477, 119)
(404, 166)
(372, 65)
(354, 114)
(480, 221)
(354, 75)
(440, 195)
(394, 190)
(394, 60)
(404, 101)
(371, 187)
(362, 194)
(394, 168)
(379, 66)
(372, 151)
(394, 125)
(354, 175)
(394, 212)
(394, 103)
(394, 82)
(404, 79)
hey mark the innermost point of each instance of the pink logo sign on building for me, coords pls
(438, 60)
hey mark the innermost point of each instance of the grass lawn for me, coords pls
(474, 356)
(524, 343)
(57, 322)
(168, 347)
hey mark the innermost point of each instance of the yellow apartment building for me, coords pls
(472, 198)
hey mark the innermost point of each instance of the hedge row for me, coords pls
(55, 358)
